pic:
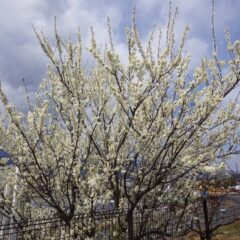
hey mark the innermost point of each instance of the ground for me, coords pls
(228, 232)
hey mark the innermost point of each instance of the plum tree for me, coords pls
(135, 132)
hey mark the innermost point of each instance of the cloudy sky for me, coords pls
(21, 56)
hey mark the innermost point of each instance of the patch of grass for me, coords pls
(230, 232)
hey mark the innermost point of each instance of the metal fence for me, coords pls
(149, 224)
(107, 225)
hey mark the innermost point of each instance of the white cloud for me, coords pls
(148, 5)
(198, 49)
(16, 96)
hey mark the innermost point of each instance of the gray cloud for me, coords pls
(20, 54)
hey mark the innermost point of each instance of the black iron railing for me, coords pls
(150, 223)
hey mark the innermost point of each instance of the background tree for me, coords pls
(133, 133)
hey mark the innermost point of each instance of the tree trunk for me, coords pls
(206, 220)
(130, 225)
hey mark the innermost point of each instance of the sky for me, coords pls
(21, 56)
